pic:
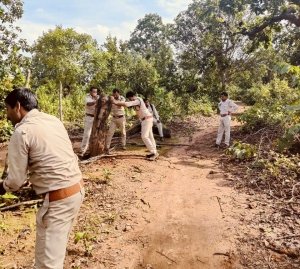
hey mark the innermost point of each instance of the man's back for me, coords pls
(51, 161)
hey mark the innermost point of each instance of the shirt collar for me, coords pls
(30, 114)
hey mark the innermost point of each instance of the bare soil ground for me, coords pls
(180, 211)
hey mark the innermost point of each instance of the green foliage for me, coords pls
(6, 130)
(270, 104)
(242, 151)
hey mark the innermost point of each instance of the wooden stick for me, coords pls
(27, 203)
(219, 201)
(166, 256)
(94, 159)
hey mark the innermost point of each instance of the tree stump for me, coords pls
(100, 126)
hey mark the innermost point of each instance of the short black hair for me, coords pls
(115, 90)
(92, 88)
(24, 96)
(130, 94)
(145, 100)
(224, 94)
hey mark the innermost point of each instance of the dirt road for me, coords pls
(176, 212)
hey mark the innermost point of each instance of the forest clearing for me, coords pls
(150, 134)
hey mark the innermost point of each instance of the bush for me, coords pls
(6, 130)
(242, 151)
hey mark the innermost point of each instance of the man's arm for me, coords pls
(125, 104)
(89, 101)
(233, 107)
(17, 161)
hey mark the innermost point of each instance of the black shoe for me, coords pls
(150, 155)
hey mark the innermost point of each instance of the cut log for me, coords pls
(100, 126)
(136, 128)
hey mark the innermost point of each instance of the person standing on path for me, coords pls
(156, 119)
(118, 121)
(40, 144)
(226, 107)
(90, 106)
(146, 119)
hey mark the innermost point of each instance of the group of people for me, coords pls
(41, 152)
(145, 111)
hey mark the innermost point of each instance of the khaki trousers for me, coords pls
(159, 127)
(88, 125)
(116, 123)
(224, 127)
(54, 222)
(147, 135)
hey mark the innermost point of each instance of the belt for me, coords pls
(118, 117)
(65, 192)
(224, 115)
(90, 115)
(147, 117)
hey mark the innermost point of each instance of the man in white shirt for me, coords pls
(90, 106)
(226, 107)
(146, 119)
(118, 121)
(41, 146)
(156, 119)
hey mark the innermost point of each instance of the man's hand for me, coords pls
(2, 190)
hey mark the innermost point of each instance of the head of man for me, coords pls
(131, 95)
(93, 91)
(224, 96)
(18, 103)
(116, 93)
(147, 102)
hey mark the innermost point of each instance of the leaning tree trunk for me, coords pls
(100, 126)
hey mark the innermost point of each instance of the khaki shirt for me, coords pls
(118, 110)
(90, 109)
(140, 108)
(40, 144)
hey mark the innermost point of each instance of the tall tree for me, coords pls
(66, 57)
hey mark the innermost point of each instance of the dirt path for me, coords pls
(177, 212)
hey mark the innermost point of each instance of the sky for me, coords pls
(98, 18)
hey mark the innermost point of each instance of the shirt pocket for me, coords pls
(40, 217)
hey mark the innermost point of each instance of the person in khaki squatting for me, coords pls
(40, 144)
(226, 107)
(118, 121)
(156, 118)
(146, 119)
(90, 106)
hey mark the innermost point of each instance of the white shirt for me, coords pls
(227, 106)
(40, 144)
(140, 108)
(90, 109)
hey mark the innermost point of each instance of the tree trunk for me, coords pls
(27, 84)
(100, 126)
(60, 101)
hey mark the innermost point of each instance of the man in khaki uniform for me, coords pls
(90, 105)
(40, 144)
(118, 121)
(146, 119)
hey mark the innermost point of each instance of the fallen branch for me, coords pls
(159, 144)
(166, 257)
(219, 202)
(94, 159)
(27, 203)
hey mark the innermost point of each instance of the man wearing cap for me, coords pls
(226, 107)
(156, 118)
(41, 146)
(90, 106)
(118, 121)
(146, 119)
